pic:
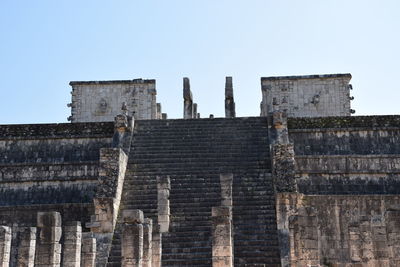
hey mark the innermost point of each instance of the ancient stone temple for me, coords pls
(306, 183)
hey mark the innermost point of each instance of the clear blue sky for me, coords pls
(46, 44)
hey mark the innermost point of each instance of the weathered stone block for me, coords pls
(133, 216)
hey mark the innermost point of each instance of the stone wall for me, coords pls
(347, 155)
(307, 96)
(339, 230)
(51, 163)
(102, 100)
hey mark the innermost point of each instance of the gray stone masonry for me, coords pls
(229, 100)
(48, 247)
(282, 153)
(5, 245)
(187, 100)
(222, 255)
(88, 256)
(163, 189)
(132, 238)
(26, 247)
(147, 242)
(307, 96)
(156, 246)
(72, 244)
(338, 230)
(101, 100)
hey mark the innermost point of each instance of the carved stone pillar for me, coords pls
(222, 255)
(156, 246)
(147, 242)
(132, 238)
(163, 188)
(26, 247)
(88, 252)
(72, 244)
(229, 101)
(187, 100)
(48, 250)
(5, 245)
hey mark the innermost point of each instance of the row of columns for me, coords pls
(41, 246)
(190, 108)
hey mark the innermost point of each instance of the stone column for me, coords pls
(226, 189)
(147, 242)
(72, 244)
(132, 238)
(156, 246)
(159, 112)
(187, 100)
(222, 255)
(229, 101)
(194, 111)
(163, 188)
(164, 116)
(48, 249)
(5, 245)
(26, 247)
(88, 251)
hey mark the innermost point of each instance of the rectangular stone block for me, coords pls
(133, 216)
(46, 219)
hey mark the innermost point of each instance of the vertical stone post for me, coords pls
(147, 242)
(163, 188)
(187, 100)
(48, 249)
(164, 116)
(132, 238)
(26, 247)
(72, 244)
(156, 246)
(195, 111)
(5, 245)
(229, 101)
(88, 251)
(159, 112)
(226, 189)
(222, 255)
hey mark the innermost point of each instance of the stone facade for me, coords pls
(317, 190)
(307, 96)
(102, 100)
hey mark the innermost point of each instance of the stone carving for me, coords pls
(132, 238)
(229, 101)
(163, 188)
(222, 237)
(187, 100)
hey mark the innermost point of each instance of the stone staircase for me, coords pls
(193, 153)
